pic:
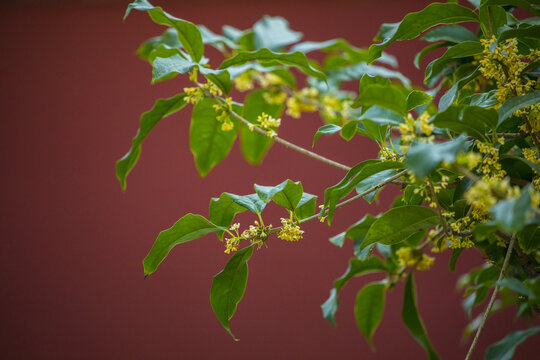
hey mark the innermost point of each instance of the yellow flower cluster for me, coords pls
(290, 230)
(456, 242)
(531, 154)
(274, 97)
(193, 94)
(244, 81)
(481, 195)
(409, 133)
(268, 80)
(268, 123)
(503, 64)
(491, 168)
(469, 159)
(333, 107)
(297, 103)
(389, 154)
(408, 256)
(256, 234)
(224, 116)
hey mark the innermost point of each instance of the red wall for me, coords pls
(72, 242)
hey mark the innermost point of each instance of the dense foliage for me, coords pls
(464, 153)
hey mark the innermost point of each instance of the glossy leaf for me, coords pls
(414, 24)
(450, 96)
(382, 116)
(529, 238)
(189, 227)
(515, 285)
(222, 211)
(504, 349)
(229, 285)
(209, 144)
(424, 157)
(254, 146)
(524, 4)
(452, 33)
(188, 33)
(328, 129)
(369, 308)
(306, 207)
(411, 318)
(388, 97)
(251, 202)
(422, 53)
(296, 59)
(517, 103)
(221, 78)
(149, 119)
(330, 307)
(471, 120)
(273, 33)
(531, 32)
(373, 180)
(461, 50)
(287, 194)
(163, 68)
(417, 98)
(359, 267)
(397, 224)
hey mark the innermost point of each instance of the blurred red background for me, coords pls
(72, 242)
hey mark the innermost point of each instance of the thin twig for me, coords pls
(493, 296)
(277, 139)
(447, 230)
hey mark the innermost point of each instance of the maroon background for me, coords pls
(72, 243)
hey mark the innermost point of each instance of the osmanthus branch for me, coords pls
(350, 200)
(277, 139)
(447, 229)
(493, 297)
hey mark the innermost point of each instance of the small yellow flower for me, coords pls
(290, 230)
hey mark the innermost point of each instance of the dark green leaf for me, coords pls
(251, 202)
(524, 4)
(515, 285)
(254, 145)
(287, 194)
(454, 257)
(368, 80)
(417, 98)
(359, 267)
(412, 320)
(517, 103)
(209, 144)
(399, 223)
(163, 68)
(448, 98)
(330, 307)
(388, 97)
(221, 78)
(306, 207)
(188, 33)
(222, 211)
(532, 32)
(414, 24)
(382, 116)
(328, 129)
(162, 109)
(529, 238)
(372, 181)
(420, 55)
(273, 33)
(461, 50)
(533, 166)
(504, 349)
(512, 214)
(189, 227)
(424, 157)
(472, 120)
(296, 59)
(373, 130)
(229, 285)
(452, 33)
(369, 308)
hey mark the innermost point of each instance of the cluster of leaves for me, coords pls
(465, 153)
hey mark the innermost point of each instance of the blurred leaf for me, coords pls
(504, 349)
(273, 33)
(424, 157)
(452, 33)
(511, 214)
(369, 308)
(330, 307)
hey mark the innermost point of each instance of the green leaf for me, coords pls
(515, 285)
(412, 320)
(273, 33)
(373, 130)
(161, 109)
(531, 32)
(221, 78)
(524, 4)
(209, 144)
(163, 68)
(512, 214)
(424, 157)
(354, 54)
(417, 98)
(358, 173)
(422, 53)
(448, 98)
(296, 59)
(382, 116)
(359, 267)
(472, 120)
(287, 194)
(306, 207)
(374, 180)
(228, 287)
(461, 50)
(368, 80)
(529, 238)
(453, 258)
(369, 308)
(188, 33)
(222, 211)
(389, 97)
(330, 307)
(399, 223)
(251, 202)
(452, 33)
(254, 145)
(189, 227)
(328, 129)
(504, 349)
(357, 233)
(517, 103)
(414, 24)
(209, 37)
